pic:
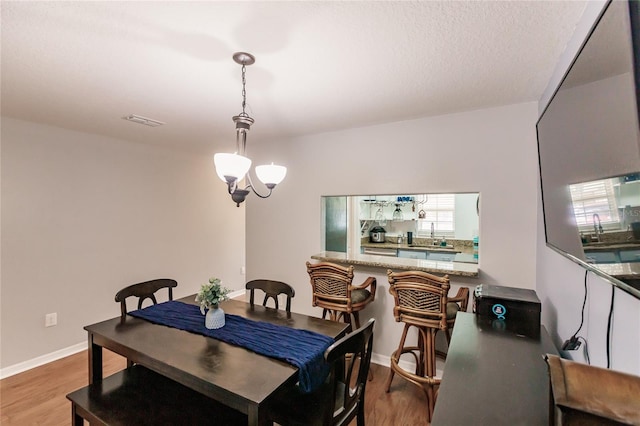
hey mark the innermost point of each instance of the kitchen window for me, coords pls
(439, 210)
(595, 197)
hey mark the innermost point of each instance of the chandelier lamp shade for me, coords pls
(233, 168)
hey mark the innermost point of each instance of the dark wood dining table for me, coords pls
(232, 375)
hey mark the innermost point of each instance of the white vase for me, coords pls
(214, 318)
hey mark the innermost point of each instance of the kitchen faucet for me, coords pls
(597, 228)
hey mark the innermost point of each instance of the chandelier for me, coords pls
(233, 168)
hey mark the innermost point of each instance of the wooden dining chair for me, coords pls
(271, 289)
(587, 395)
(143, 291)
(341, 398)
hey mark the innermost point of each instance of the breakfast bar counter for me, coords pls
(433, 266)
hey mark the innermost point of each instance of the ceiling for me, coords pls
(320, 65)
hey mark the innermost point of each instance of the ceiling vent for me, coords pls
(143, 120)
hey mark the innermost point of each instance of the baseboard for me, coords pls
(236, 294)
(380, 359)
(385, 361)
(41, 360)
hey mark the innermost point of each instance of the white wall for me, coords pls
(491, 151)
(560, 282)
(84, 215)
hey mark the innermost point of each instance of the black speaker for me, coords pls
(510, 308)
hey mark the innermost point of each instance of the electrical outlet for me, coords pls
(571, 345)
(51, 319)
(243, 270)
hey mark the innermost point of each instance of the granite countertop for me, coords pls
(395, 263)
(404, 246)
(611, 246)
(627, 273)
(629, 270)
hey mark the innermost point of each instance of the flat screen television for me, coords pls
(589, 152)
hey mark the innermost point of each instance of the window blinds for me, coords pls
(596, 197)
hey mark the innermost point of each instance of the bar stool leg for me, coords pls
(430, 350)
(356, 318)
(395, 357)
(420, 360)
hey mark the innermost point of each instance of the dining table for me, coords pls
(237, 377)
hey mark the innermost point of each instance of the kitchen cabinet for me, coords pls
(601, 257)
(465, 258)
(412, 254)
(427, 255)
(613, 256)
(441, 256)
(380, 251)
(630, 255)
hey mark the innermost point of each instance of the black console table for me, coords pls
(493, 376)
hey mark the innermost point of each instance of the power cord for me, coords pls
(610, 326)
(586, 350)
(574, 341)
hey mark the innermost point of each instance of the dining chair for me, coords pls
(341, 398)
(575, 401)
(143, 291)
(422, 302)
(333, 291)
(272, 289)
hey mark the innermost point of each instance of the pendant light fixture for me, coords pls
(232, 168)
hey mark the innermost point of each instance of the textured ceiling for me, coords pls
(320, 65)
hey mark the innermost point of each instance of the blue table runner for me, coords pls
(301, 348)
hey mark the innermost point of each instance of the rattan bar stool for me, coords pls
(334, 292)
(421, 301)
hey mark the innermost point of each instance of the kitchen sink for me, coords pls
(432, 247)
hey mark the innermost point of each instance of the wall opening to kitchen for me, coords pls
(391, 223)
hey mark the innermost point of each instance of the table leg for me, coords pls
(257, 416)
(76, 419)
(95, 361)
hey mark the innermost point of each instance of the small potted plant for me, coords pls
(209, 296)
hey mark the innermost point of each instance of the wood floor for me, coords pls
(37, 396)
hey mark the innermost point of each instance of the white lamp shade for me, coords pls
(231, 165)
(271, 174)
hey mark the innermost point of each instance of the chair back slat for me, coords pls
(144, 290)
(332, 287)
(419, 299)
(272, 289)
(331, 281)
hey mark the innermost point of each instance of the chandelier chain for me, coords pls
(244, 91)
